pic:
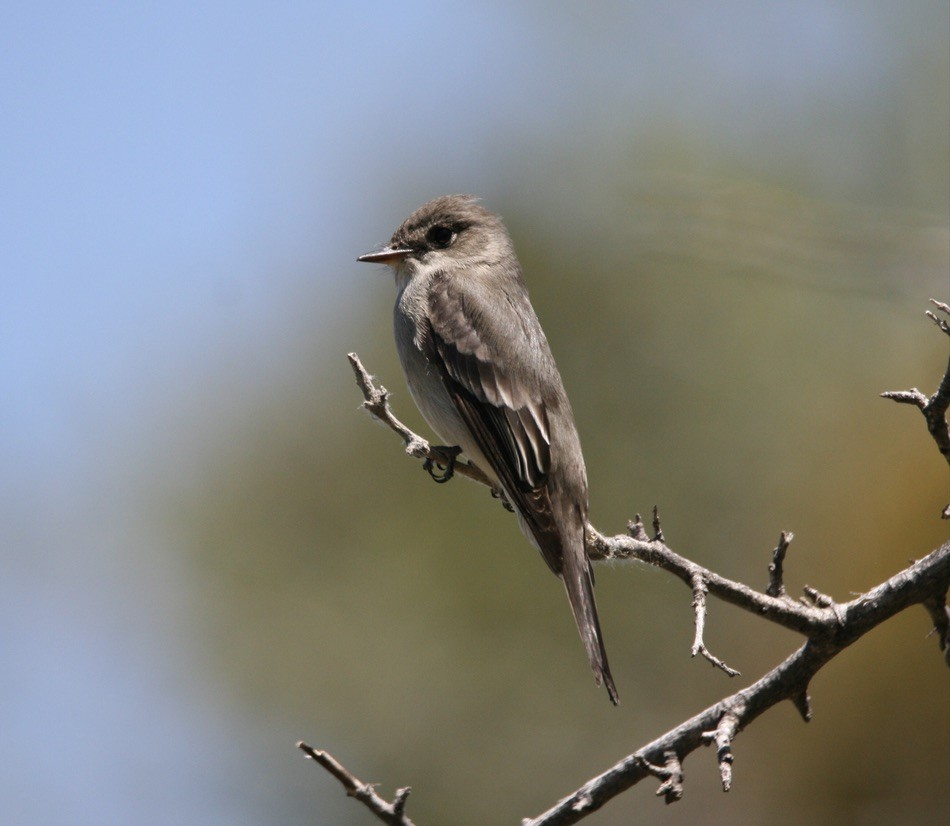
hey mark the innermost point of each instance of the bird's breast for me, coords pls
(425, 382)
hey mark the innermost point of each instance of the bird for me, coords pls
(480, 370)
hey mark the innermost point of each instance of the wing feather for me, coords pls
(501, 402)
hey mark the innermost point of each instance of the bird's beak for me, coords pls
(387, 255)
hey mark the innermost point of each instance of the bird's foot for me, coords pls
(498, 493)
(443, 469)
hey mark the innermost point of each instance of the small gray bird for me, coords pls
(481, 373)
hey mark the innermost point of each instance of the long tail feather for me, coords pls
(579, 584)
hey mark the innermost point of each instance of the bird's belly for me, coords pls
(434, 402)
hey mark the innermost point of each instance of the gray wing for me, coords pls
(483, 355)
(498, 393)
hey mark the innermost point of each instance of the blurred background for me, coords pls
(731, 217)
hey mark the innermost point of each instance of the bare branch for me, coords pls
(935, 407)
(776, 586)
(780, 610)
(940, 322)
(699, 610)
(376, 401)
(783, 611)
(829, 627)
(657, 529)
(820, 617)
(912, 396)
(391, 813)
(727, 729)
(720, 723)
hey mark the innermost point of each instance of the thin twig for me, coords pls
(780, 610)
(940, 322)
(935, 407)
(657, 528)
(699, 619)
(776, 587)
(722, 736)
(376, 401)
(391, 813)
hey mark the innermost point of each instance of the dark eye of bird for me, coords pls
(440, 236)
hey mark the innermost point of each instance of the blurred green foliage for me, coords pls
(724, 342)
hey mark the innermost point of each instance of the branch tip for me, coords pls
(912, 396)
(700, 589)
(935, 407)
(399, 802)
(657, 529)
(636, 529)
(391, 813)
(722, 737)
(940, 322)
(802, 702)
(776, 586)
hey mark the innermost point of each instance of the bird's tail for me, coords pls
(579, 582)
